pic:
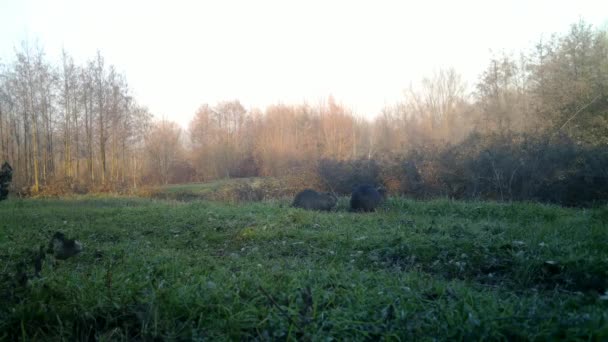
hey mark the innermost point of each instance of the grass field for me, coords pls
(229, 190)
(438, 270)
(201, 189)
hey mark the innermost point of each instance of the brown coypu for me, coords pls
(63, 248)
(367, 198)
(313, 200)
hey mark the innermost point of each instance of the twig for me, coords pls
(578, 111)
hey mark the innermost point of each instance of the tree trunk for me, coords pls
(35, 153)
(77, 146)
(3, 152)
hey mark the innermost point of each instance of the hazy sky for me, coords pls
(179, 54)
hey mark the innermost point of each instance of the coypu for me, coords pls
(366, 198)
(6, 175)
(312, 200)
(63, 248)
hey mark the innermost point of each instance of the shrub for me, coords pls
(502, 167)
(342, 176)
(509, 167)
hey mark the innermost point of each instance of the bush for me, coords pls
(510, 167)
(246, 167)
(181, 172)
(503, 167)
(342, 176)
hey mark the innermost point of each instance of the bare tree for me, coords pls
(163, 147)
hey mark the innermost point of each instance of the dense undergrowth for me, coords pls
(169, 270)
(504, 167)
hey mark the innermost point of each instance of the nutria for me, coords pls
(63, 248)
(367, 198)
(312, 200)
(6, 175)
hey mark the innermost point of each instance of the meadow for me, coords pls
(160, 269)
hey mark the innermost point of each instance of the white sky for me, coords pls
(179, 54)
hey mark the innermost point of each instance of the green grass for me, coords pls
(227, 190)
(198, 188)
(169, 270)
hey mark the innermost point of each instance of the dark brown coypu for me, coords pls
(6, 175)
(63, 248)
(367, 198)
(311, 200)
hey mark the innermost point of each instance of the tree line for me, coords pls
(79, 125)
